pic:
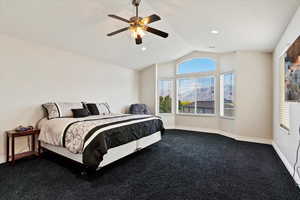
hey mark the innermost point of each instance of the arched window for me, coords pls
(197, 65)
(196, 94)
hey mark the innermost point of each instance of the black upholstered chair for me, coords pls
(139, 109)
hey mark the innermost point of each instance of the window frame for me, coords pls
(172, 95)
(282, 94)
(194, 73)
(194, 78)
(234, 94)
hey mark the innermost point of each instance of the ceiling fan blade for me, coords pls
(156, 32)
(119, 18)
(138, 40)
(118, 31)
(151, 19)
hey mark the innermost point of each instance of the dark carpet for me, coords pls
(183, 166)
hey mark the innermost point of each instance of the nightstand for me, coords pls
(10, 138)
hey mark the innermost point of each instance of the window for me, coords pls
(165, 96)
(197, 65)
(227, 95)
(284, 106)
(196, 96)
(186, 96)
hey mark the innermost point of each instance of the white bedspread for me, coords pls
(52, 131)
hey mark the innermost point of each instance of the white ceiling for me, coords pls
(81, 26)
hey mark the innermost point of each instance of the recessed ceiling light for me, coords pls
(215, 31)
(144, 48)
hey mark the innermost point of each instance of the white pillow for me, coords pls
(59, 110)
(103, 108)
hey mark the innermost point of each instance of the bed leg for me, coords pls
(41, 152)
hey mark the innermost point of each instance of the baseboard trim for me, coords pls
(286, 163)
(2, 159)
(170, 127)
(224, 133)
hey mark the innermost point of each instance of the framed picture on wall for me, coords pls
(292, 72)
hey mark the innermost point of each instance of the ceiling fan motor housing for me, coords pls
(135, 19)
(136, 2)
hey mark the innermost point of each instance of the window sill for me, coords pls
(166, 114)
(229, 118)
(197, 115)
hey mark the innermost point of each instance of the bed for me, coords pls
(98, 140)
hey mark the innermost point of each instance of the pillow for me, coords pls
(139, 109)
(98, 108)
(103, 108)
(65, 109)
(59, 110)
(92, 109)
(51, 110)
(77, 113)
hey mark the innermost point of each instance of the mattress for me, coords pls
(112, 154)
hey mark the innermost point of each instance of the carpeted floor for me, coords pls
(183, 166)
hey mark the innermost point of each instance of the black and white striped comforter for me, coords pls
(93, 136)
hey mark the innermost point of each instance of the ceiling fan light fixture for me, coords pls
(137, 32)
(215, 31)
(145, 21)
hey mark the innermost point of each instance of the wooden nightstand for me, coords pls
(12, 135)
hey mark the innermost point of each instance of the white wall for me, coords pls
(254, 95)
(286, 142)
(31, 75)
(147, 87)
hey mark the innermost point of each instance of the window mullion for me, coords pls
(195, 94)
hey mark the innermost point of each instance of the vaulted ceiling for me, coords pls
(81, 26)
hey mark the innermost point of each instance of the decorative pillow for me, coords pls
(92, 109)
(58, 110)
(103, 108)
(139, 109)
(77, 113)
(52, 110)
(65, 109)
(98, 108)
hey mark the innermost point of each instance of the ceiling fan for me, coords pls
(138, 25)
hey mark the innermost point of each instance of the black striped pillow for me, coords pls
(98, 108)
(51, 110)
